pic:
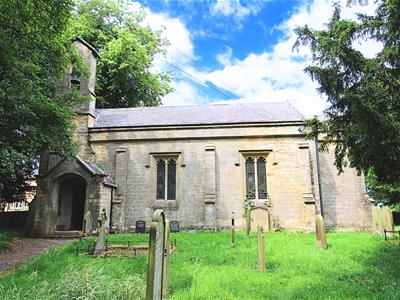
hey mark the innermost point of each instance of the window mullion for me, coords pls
(255, 179)
(166, 180)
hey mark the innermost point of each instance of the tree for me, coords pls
(127, 50)
(34, 54)
(363, 117)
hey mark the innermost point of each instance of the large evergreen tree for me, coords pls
(363, 93)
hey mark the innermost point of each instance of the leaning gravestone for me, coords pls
(155, 267)
(174, 226)
(140, 226)
(100, 247)
(321, 232)
(259, 217)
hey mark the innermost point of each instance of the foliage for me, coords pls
(363, 93)
(247, 206)
(205, 266)
(382, 193)
(127, 50)
(34, 55)
(6, 236)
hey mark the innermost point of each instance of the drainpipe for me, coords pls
(318, 171)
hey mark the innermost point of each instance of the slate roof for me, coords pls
(270, 112)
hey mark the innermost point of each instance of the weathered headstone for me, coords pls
(261, 249)
(320, 232)
(155, 265)
(167, 252)
(140, 226)
(260, 216)
(88, 220)
(100, 247)
(174, 226)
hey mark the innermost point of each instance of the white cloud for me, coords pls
(225, 57)
(276, 75)
(233, 8)
(185, 94)
(174, 30)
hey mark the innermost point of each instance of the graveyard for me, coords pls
(204, 265)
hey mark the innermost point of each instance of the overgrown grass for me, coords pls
(356, 266)
(6, 237)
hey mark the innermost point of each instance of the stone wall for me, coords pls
(291, 175)
(344, 203)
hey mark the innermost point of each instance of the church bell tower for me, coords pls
(85, 112)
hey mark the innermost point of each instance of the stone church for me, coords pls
(197, 163)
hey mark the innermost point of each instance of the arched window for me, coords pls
(160, 179)
(166, 179)
(250, 178)
(261, 178)
(256, 177)
(171, 179)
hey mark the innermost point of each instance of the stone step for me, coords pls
(66, 234)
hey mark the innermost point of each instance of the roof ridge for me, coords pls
(194, 105)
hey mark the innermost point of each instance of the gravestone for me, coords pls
(140, 226)
(167, 252)
(261, 249)
(155, 267)
(88, 221)
(259, 217)
(100, 247)
(321, 232)
(174, 226)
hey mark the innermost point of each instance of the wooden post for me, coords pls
(261, 249)
(167, 253)
(321, 232)
(233, 242)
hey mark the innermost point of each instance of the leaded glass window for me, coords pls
(160, 179)
(166, 179)
(250, 179)
(171, 179)
(256, 177)
(261, 178)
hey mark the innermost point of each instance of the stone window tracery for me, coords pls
(256, 177)
(166, 179)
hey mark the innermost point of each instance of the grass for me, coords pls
(6, 237)
(356, 266)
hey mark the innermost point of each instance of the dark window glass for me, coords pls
(160, 179)
(171, 179)
(250, 179)
(261, 178)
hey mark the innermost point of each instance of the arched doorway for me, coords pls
(71, 204)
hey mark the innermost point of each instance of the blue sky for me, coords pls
(241, 51)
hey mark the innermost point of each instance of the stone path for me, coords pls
(22, 248)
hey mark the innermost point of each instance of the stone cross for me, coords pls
(321, 232)
(155, 267)
(261, 249)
